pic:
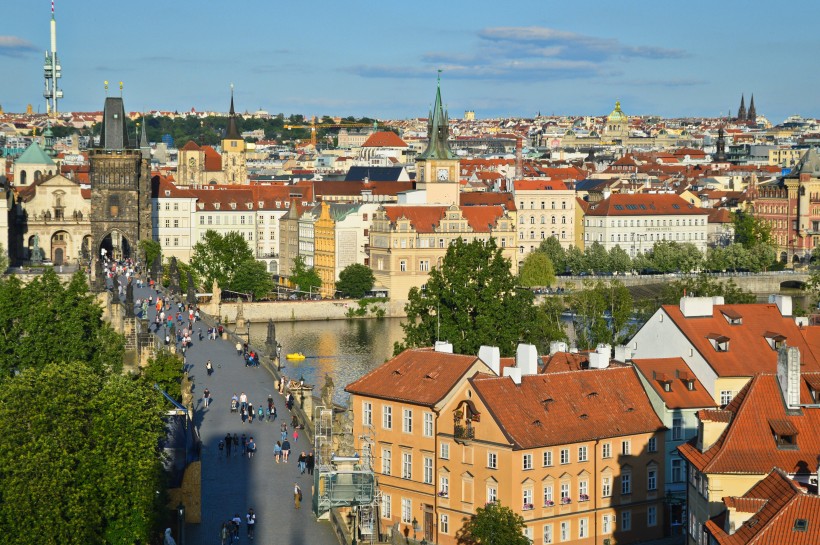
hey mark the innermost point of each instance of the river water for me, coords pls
(346, 349)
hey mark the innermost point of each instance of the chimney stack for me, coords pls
(491, 355)
(519, 158)
(788, 375)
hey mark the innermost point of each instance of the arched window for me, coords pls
(543, 220)
(553, 220)
(563, 219)
(23, 177)
(532, 220)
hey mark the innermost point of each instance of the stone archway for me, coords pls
(60, 244)
(115, 246)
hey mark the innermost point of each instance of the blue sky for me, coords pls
(380, 58)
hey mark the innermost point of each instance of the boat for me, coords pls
(295, 356)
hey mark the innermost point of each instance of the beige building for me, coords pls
(546, 208)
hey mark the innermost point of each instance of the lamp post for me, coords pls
(248, 323)
(181, 521)
(302, 391)
(415, 528)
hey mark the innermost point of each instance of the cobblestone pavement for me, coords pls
(232, 485)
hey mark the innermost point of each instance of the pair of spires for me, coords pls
(743, 114)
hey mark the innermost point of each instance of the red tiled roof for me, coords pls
(747, 445)
(749, 352)
(536, 185)
(642, 204)
(719, 215)
(384, 139)
(676, 371)
(570, 407)
(424, 219)
(213, 161)
(419, 375)
(473, 198)
(482, 219)
(190, 146)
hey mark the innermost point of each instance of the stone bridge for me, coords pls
(757, 283)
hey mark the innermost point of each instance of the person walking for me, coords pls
(244, 444)
(250, 520)
(243, 400)
(238, 348)
(236, 522)
(260, 413)
(206, 397)
(235, 444)
(295, 436)
(221, 446)
(284, 432)
(285, 450)
(297, 496)
(208, 365)
(224, 534)
(250, 413)
(302, 461)
(251, 447)
(310, 462)
(228, 444)
(277, 451)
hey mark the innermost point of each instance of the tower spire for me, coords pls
(752, 113)
(233, 131)
(145, 147)
(438, 130)
(741, 112)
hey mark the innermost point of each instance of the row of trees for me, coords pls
(74, 429)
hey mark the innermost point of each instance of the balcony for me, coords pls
(464, 432)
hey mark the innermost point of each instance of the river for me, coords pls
(346, 349)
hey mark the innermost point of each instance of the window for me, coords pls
(387, 417)
(606, 450)
(176, 241)
(626, 447)
(651, 516)
(385, 506)
(605, 524)
(583, 528)
(527, 462)
(626, 520)
(406, 465)
(606, 486)
(677, 470)
(583, 490)
(528, 533)
(564, 492)
(582, 454)
(626, 484)
(367, 413)
(547, 458)
(387, 459)
(406, 510)
(202, 220)
(403, 265)
(444, 486)
(444, 527)
(167, 223)
(652, 479)
(492, 460)
(445, 451)
(564, 455)
(726, 397)
(548, 499)
(428, 424)
(565, 531)
(176, 223)
(407, 421)
(548, 534)
(677, 428)
(428, 470)
(492, 493)
(652, 446)
(424, 265)
(528, 504)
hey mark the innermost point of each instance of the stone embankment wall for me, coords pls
(283, 311)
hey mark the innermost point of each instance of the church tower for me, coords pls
(752, 115)
(741, 112)
(120, 190)
(233, 151)
(437, 168)
(720, 146)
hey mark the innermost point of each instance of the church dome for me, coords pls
(617, 115)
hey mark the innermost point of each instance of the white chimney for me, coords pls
(622, 353)
(606, 193)
(788, 375)
(557, 346)
(514, 373)
(692, 307)
(600, 358)
(526, 359)
(444, 347)
(718, 300)
(491, 355)
(783, 302)
(801, 321)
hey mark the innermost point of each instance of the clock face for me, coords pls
(192, 162)
(442, 174)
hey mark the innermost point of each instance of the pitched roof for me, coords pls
(747, 445)
(473, 198)
(569, 407)
(190, 146)
(420, 376)
(777, 504)
(749, 351)
(213, 160)
(34, 155)
(384, 139)
(424, 219)
(536, 185)
(643, 204)
(381, 174)
(656, 371)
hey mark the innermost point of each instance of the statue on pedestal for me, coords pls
(174, 274)
(115, 289)
(191, 297)
(129, 299)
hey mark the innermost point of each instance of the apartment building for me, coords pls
(546, 208)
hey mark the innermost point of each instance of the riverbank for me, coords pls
(296, 311)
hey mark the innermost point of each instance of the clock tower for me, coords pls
(437, 169)
(233, 151)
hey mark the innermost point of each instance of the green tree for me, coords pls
(716, 259)
(736, 257)
(303, 278)
(149, 250)
(597, 258)
(165, 370)
(550, 326)
(217, 257)
(252, 277)
(665, 256)
(355, 280)
(89, 442)
(46, 321)
(556, 254)
(619, 260)
(4, 259)
(537, 270)
(471, 300)
(493, 524)
(690, 259)
(705, 286)
(750, 230)
(576, 262)
(602, 313)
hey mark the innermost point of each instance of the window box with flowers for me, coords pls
(549, 503)
(528, 507)
(443, 494)
(566, 500)
(583, 497)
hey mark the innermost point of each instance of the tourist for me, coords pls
(235, 444)
(297, 496)
(261, 414)
(238, 348)
(209, 367)
(250, 413)
(310, 462)
(228, 443)
(243, 400)
(243, 414)
(285, 450)
(302, 461)
(277, 451)
(295, 435)
(206, 397)
(244, 444)
(284, 431)
(224, 534)
(250, 520)
(251, 447)
(221, 446)
(236, 521)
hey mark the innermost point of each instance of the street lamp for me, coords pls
(181, 521)
(248, 323)
(302, 391)
(415, 527)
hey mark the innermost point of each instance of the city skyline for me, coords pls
(381, 60)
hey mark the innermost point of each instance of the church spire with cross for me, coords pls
(233, 131)
(438, 130)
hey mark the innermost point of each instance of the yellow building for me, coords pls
(324, 260)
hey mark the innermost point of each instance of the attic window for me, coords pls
(216, 206)
(592, 394)
(801, 525)
(732, 316)
(250, 206)
(233, 206)
(583, 416)
(167, 192)
(719, 342)
(785, 434)
(397, 372)
(546, 403)
(667, 386)
(536, 423)
(261, 204)
(690, 384)
(432, 375)
(775, 340)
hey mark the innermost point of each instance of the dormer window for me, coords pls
(233, 206)
(732, 316)
(216, 206)
(690, 384)
(785, 434)
(776, 340)
(250, 206)
(719, 342)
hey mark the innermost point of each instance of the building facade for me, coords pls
(546, 208)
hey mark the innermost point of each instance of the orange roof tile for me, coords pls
(676, 371)
(213, 161)
(570, 407)
(642, 204)
(536, 185)
(190, 146)
(384, 139)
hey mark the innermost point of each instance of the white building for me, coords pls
(546, 208)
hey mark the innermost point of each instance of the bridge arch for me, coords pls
(793, 284)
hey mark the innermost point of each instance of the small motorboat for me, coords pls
(295, 356)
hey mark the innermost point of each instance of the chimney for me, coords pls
(692, 307)
(557, 346)
(519, 158)
(606, 193)
(444, 347)
(600, 358)
(788, 375)
(491, 355)
(526, 359)
(514, 373)
(783, 302)
(622, 353)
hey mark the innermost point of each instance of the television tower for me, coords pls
(53, 71)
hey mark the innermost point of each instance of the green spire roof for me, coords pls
(34, 155)
(438, 131)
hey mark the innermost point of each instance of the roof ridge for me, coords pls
(741, 398)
